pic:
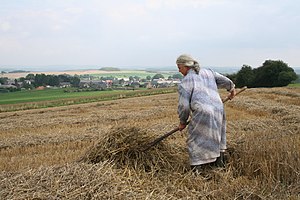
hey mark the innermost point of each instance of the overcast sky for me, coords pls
(148, 32)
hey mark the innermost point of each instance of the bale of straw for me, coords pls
(124, 147)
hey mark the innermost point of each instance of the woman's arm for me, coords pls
(224, 82)
(185, 94)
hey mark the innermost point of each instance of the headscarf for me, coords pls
(188, 61)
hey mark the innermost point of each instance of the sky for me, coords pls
(152, 33)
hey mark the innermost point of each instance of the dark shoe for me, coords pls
(221, 161)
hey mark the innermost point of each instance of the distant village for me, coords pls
(86, 82)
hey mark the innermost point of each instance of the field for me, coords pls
(45, 95)
(294, 85)
(25, 100)
(98, 73)
(93, 150)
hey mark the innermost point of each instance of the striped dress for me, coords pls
(199, 98)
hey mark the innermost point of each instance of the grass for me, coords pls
(294, 85)
(47, 95)
(25, 100)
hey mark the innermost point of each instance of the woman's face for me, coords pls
(183, 69)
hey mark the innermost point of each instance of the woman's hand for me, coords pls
(232, 94)
(181, 126)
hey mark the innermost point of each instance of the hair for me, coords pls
(188, 61)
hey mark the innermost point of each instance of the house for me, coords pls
(29, 82)
(7, 86)
(161, 83)
(95, 84)
(135, 85)
(10, 82)
(65, 84)
(109, 83)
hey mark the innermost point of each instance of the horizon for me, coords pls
(90, 67)
(220, 69)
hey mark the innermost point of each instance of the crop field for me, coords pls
(44, 95)
(25, 100)
(95, 150)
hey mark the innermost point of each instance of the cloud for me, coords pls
(182, 4)
(5, 26)
(74, 10)
(155, 31)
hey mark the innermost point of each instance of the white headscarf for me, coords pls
(188, 61)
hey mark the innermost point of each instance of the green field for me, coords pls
(46, 95)
(33, 99)
(294, 85)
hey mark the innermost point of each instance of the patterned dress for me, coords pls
(199, 97)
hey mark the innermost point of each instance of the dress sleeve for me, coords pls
(185, 90)
(223, 81)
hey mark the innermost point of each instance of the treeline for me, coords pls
(109, 69)
(271, 74)
(37, 80)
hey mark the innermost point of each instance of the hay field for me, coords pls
(93, 151)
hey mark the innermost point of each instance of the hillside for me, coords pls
(81, 151)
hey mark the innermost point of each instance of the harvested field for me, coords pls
(94, 150)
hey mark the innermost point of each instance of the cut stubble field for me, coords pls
(91, 151)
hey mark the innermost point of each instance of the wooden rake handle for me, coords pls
(238, 92)
(157, 140)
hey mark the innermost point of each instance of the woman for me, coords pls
(199, 97)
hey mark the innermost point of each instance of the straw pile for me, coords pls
(124, 147)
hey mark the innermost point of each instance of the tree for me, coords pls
(157, 76)
(75, 81)
(41, 80)
(3, 80)
(148, 78)
(177, 76)
(136, 78)
(64, 78)
(245, 76)
(285, 78)
(273, 74)
(297, 80)
(53, 81)
(30, 77)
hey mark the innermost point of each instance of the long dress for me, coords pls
(200, 99)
